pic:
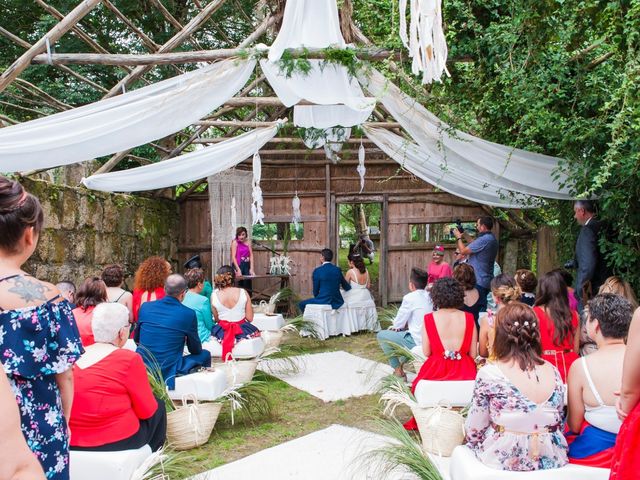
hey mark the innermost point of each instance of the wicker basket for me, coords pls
(441, 429)
(190, 425)
(238, 371)
(264, 307)
(272, 338)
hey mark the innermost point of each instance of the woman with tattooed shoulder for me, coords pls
(39, 340)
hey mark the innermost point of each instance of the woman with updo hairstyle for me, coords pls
(515, 421)
(358, 278)
(113, 278)
(559, 329)
(92, 292)
(148, 284)
(232, 310)
(504, 290)
(619, 286)
(40, 339)
(449, 338)
(527, 281)
(465, 274)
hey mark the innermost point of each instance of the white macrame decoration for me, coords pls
(256, 206)
(426, 41)
(234, 217)
(280, 265)
(361, 168)
(297, 215)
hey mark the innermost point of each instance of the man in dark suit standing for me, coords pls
(592, 269)
(163, 328)
(327, 279)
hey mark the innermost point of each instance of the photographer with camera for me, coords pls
(482, 254)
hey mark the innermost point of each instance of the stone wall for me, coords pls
(85, 230)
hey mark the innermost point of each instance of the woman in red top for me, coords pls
(92, 292)
(113, 405)
(438, 268)
(449, 338)
(148, 284)
(559, 330)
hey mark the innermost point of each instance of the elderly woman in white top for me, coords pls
(593, 381)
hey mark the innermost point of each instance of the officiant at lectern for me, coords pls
(242, 257)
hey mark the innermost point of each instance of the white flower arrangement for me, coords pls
(280, 265)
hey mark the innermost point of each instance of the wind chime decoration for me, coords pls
(234, 217)
(297, 216)
(426, 41)
(256, 193)
(361, 168)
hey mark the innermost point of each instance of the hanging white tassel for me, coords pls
(297, 216)
(361, 168)
(426, 41)
(234, 217)
(256, 194)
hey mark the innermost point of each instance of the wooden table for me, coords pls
(273, 284)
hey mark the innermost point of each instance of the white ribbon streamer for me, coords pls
(256, 194)
(361, 168)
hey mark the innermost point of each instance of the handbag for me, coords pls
(441, 428)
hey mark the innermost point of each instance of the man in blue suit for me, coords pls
(163, 328)
(327, 279)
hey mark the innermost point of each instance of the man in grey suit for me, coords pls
(592, 269)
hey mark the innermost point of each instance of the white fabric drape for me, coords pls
(257, 216)
(185, 168)
(426, 41)
(430, 165)
(503, 167)
(121, 122)
(339, 98)
(296, 217)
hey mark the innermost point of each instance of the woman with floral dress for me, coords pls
(516, 417)
(38, 335)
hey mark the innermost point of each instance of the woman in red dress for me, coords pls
(559, 329)
(626, 456)
(149, 282)
(92, 292)
(449, 338)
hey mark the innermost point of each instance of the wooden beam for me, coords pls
(163, 57)
(195, 23)
(307, 151)
(149, 43)
(38, 92)
(18, 41)
(281, 140)
(233, 123)
(53, 35)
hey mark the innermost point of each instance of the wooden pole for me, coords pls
(253, 124)
(171, 58)
(53, 35)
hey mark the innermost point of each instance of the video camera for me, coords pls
(458, 226)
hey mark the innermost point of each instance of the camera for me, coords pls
(459, 225)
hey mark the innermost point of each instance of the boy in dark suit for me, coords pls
(327, 279)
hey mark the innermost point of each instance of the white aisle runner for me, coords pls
(334, 453)
(331, 376)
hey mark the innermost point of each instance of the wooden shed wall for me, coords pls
(321, 187)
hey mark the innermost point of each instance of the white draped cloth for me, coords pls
(185, 168)
(339, 98)
(498, 166)
(123, 122)
(430, 165)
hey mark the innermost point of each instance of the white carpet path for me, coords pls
(334, 453)
(331, 376)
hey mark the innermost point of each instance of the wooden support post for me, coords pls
(383, 274)
(40, 46)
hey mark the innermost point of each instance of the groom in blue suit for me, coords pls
(327, 279)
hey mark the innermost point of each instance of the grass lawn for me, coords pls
(372, 269)
(297, 413)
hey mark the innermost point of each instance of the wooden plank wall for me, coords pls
(321, 187)
(195, 232)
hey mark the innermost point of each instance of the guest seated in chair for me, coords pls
(92, 292)
(232, 310)
(406, 329)
(113, 406)
(594, 381)
(358, 278)
(195, 262)
(198, 302)
(148, 282)
(516, 417)
(504, 290)
(449, 338)
(327, 280)
(464, 274)
(163, 327)
(527, 281)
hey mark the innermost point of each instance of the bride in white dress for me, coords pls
(360, 307)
